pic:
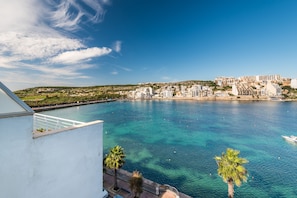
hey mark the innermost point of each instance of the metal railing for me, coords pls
(50, 123)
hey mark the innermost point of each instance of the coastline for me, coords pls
(226, 98)
(246, 123)
(213, 98)
(52, 107)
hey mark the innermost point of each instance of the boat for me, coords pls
(291, 138)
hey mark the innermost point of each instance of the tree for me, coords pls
(231, 169)
(136, 182)
(115, 160)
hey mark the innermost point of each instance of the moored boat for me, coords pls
(290, 138)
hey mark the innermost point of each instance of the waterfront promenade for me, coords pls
(52, 107)
(150, 189)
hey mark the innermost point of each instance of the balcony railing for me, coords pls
(50, 123)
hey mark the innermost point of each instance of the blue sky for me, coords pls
(100, 42)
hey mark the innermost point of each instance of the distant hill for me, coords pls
(45, 96)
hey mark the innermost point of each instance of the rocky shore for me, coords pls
(225, 98)
(213, 98)
(51, 107)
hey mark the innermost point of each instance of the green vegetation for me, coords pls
(198, 82)
(218, 88)
(45, 96)
(231, 169)
(48, 96)
(40, 130)
(289, 93)
(115, 160)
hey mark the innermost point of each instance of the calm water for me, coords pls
(174, 142)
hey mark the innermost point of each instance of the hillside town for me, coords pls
(266, 87)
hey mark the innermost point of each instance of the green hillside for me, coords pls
(44, 96)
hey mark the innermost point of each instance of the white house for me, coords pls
(141, 93)
(273, 89)
(65, 160)
(234, 90)
(294, 83)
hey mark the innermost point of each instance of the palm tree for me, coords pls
(231, 169)
(115, 160)
(136, 182)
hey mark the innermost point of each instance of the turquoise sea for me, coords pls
(174, 142)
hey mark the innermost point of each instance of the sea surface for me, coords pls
(175, 142)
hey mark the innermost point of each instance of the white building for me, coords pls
(234, 90)
(167, 94)
(196, 91)
(294, 83)
(225, 81)
(63, 161)
(273, 89)
(141, 93)
(273, 78)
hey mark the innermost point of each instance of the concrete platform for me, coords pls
(150, 189)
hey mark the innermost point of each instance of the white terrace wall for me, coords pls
(15, 156)
(64, 164)
(69, 164)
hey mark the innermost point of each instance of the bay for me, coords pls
(175, 142)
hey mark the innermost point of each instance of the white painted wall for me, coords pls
(15, 156)
(10, 105)
(272, 89)
(60, 165)
(294, 83)
(234, 90)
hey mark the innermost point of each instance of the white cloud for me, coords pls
(63, 72)
(114, 73)
(71, 57)
(19, 15)
(97, 7)
(125, 68)
(63, 18)
(29, 46)
(68, 14)
(166, 78)
(6, 62)
(37, 42)
(38, 79)
(117, 46)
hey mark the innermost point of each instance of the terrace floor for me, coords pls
(149, 187)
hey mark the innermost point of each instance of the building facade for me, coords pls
(47, 162)
(294, 83)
